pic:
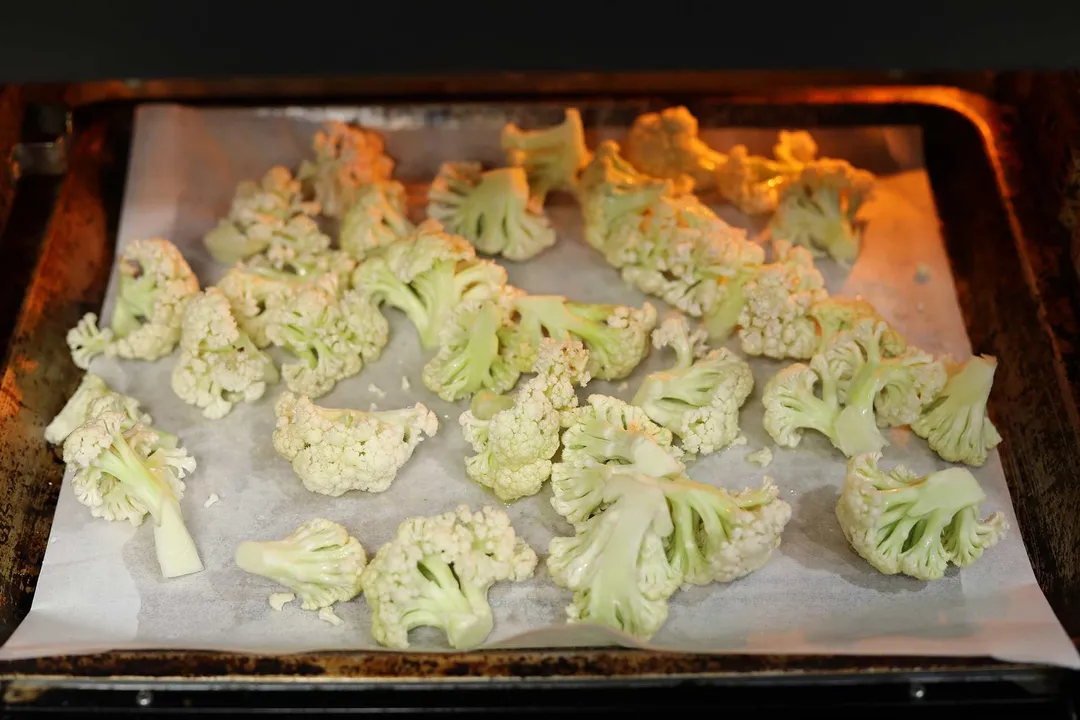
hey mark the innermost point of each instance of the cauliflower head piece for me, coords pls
(835, 314)
(318, 561)
(493, 210)
(607, 430)
(551, 157)
(377, 219)
(77, 410)
(334, 451)
(347, 158)
(254, 292)
(437, 571)
(155, 284)
(955, 422)
(665, 144)
(902, 523)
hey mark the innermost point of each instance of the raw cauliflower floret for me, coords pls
(346, 159)
(219, 365)
(331, 337)
(551, 157)
(260, 212)
(515, 438)
(255, 292)
(607, 430)
(835, 314)
(334, 451)
(375, 220)
(666, 145)
(902, 523)
(492, 210)
(318, 561)
(125, 471)
(774, 320)
(77, 410)
(698, 399)
(955, 423)
(155, 282)
(436, 572)
(754, 184)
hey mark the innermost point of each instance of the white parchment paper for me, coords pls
(100, 587)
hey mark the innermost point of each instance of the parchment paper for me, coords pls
(100, 587)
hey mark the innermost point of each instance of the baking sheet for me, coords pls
(100, 587)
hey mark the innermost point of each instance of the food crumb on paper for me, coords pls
(326, 614)
(761, 457)
(922, 273)
(376, 390)
(622, 386)
(373, 407)
(405, 383)
(210, 500)
(278, 600)
(919, 307)
(741, 440)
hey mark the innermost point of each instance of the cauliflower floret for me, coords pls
(774, 319)
(375, 220)
(154, 285)
(666, 145)
(427, 276)
(334, 451)
(259, 213)
(698, 399)
(254, 292)
(551, 157)
(609, 431)
(754, 184)
(819, 209)
(346, 158)
(616, 336)
(331, 337)
(77, 410)
(491, 209)
(122, 471)
(834, 315)
(318, 561)
(219, 366)
(515, 439)
(955, 423)
(436, 572)
(901, 523)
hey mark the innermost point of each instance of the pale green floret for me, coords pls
(347, 158)
(331, 337)
(318, 561)
(219, 365)
(375, 220)
(955, 423)
(819, 209)
(254, 292)
(551, 157)
(260, 211)
(474, 353)
(516, 438)
(793, 405)
(616, 336)
(155, 282)
(774, 317)
(436, 572)
(834, 315)
(666, 145)
(609, 431)
(77, 410)
(334, 451)
(123, 472)
(491, 209)
(902, 523)
(616, 564)
(698, 399)
(428, 276)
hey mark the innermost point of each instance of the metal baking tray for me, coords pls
(1016, 288)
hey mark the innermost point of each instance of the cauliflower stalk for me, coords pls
(955, 423)
(78, 409)
(219, 365)
(616, 336)
(428, 276)
(332, 337)
(346, 159)
(551, 157)
(515, 438)
(375, 220)
(318, 561)
(902, 523)
(666, 145)
(124, 471)
(334, 451)
(155, 282)
(492, 210)
(437, 571)
(819, 209)
(259, 214)
(698, 399)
